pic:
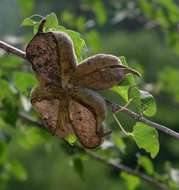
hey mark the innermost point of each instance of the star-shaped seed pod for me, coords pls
(66, 96)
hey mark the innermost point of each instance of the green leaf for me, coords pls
(51, 21)
(24, 81)
(31, 21)
(146, 164)
(134, 94)
(132, 182)
(71, 139)
(79, 43)
(28, 22)
(146, 137)
(128, 80)
(148, 103)
(123, 60)
(121, 91)
(18, 170)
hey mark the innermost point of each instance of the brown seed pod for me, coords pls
(43, 55)
(52, 105)
(100, 72)
(92, 101)
(84, 125)
(64, 97)
(67, 58)
(52, 57)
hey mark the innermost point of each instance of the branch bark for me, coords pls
(10, 49)
(121, 167)
(118, 166)
(115, 108)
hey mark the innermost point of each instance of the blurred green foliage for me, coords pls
(146, 33)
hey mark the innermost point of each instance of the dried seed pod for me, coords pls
(53, 108)
(84, 125)
(52, 57)
(62, 98)
(93, 102)
(67, 58)
(95, 63)
(42, 52)
(100, 72)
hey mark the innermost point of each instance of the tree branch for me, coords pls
(118, 166)
(138, 117)
(121, 167)
(10, 49)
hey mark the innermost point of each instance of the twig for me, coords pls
(28, 119)
(127, 169)
(10, 49)
(138, 117)
(121, 167)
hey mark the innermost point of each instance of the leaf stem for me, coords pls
(119, 124)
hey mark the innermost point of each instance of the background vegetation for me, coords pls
(146, 33)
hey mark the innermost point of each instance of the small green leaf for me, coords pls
(132, 182)
(24, 81)
(121, 91)
(147, 138)
(79, 43)
(71, 139)
(148, 103)
(146, 164)
(28, 22)
(134, 94)
(51, 21)
(123, 60)
(32, 21)
(128, 80)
